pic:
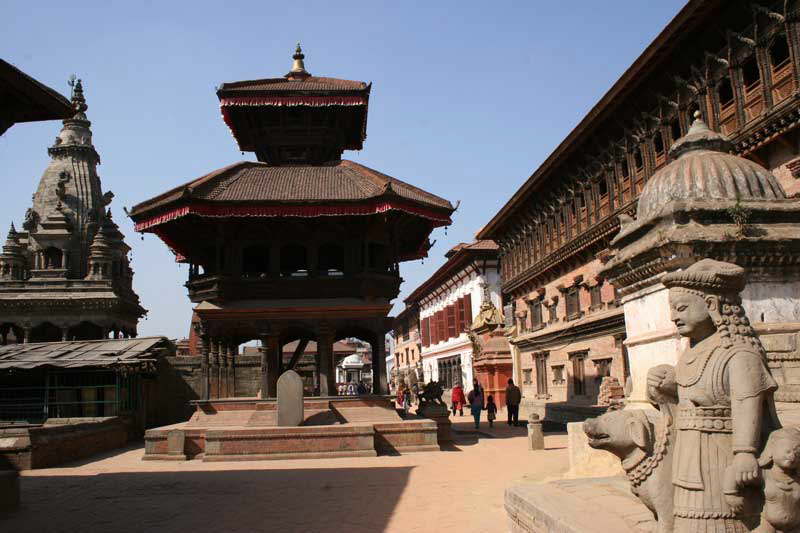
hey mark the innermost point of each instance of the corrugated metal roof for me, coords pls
(80, 354)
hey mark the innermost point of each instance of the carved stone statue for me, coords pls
(431, 393)
(723, 392)
(717, 426)
(781, 463)
(31, 220)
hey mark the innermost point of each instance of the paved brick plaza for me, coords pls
(459, 490)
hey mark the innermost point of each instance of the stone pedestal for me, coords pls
(290, 399)
(652, 338)
(585, 461)
(602, 505)
(176, 440)
(441, 415)
(9, 490)
(535, 434)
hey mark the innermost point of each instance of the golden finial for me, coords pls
(298, 67)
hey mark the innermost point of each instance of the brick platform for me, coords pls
(589, 505)
(245, 429)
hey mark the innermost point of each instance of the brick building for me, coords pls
(735, 65)
(447, 302)
(407, 346)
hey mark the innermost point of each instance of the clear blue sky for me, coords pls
(468, 97)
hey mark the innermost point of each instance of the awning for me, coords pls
(103, 353)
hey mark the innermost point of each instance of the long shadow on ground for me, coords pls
(288, 500)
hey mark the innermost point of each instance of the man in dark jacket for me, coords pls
(513, 399)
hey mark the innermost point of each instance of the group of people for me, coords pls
(478, 402)
(352, 389)
(404, 398)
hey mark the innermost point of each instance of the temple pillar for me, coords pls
(222, 371)
(327, 378)
(233, 349)
(65, 333)
(214, 367)
(26, 335)
(205, 352)
(379, 385)
(270, 365)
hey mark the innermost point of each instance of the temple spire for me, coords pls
(298, 71)
(78, 100)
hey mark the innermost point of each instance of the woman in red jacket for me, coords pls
(458, 400)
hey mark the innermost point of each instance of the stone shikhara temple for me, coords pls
(66, 275)
(298, 246)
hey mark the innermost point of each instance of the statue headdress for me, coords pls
(726, 281)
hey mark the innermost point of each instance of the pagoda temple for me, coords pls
(299, 245)
(66, 274)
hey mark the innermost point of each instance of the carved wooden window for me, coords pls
(449, 371)
(451, 321)
(573, 303)
(460, 324)
(751, 79)
(602, 195)
(780, 68)
(426, 331)
(625, 181)
(442, 325)
(675, 129)
(561, 216)
(578, 373)
(727, 106)
(535, 310)
(594, 294)
(659, 148)
(526, 376)
(552, 311)
(541, 374)
(558, 375)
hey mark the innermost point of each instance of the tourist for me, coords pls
(401, 391)
(351, 389)
(406, 401)
(475, 399)
(513, 399)
(458, 400)
(491, 410)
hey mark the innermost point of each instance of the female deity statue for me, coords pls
(722, 391)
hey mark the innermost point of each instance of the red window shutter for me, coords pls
(468, 309)
(434, 335)
(442, 326)
(451, 322)
(459, 316)
(425, 332)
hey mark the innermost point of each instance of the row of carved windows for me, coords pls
(449, 371)
(447, 323)
(730, 94)
(572, 306)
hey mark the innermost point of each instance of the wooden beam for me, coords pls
(298, 353)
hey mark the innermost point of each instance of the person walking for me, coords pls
(406, 401)
(491, 410)
(458, 400)
(475, 399)
(513, 399)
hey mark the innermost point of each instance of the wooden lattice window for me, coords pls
(595, 296)
(578, 373)
(573, 303)
(535, 309)
(541, 374)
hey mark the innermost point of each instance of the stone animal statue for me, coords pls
(640, 439)
(431, 393)
(780, 463)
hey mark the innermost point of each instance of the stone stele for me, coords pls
(290, 399)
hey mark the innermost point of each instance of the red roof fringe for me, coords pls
(295, 100)
(371, 208)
